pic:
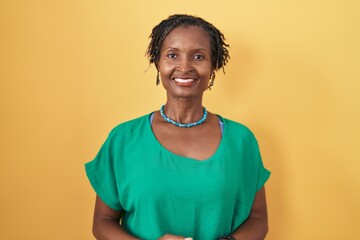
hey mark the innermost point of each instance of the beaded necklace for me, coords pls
(183, 125)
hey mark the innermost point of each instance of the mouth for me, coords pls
(184, 80)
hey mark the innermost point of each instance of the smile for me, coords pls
(181, 80)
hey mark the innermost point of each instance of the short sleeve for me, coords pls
(263, 176)
(262, 173)
(101, 174)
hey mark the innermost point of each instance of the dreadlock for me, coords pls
(219, 52)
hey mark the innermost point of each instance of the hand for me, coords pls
(173, 237)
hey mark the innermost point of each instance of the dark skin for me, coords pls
(185, 68)
(106, 223)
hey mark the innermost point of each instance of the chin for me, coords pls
(185, 94)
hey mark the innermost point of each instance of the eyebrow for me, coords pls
(194, 50)
(200, 49)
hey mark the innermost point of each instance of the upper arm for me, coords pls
(256, 225)
(107, 223)
(103, 211)
(259, 208)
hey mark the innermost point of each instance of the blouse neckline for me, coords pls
(180, 157)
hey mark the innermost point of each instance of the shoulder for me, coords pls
(238, 134)
(130, 127)
(236, 127)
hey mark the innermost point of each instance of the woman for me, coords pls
(181, 172)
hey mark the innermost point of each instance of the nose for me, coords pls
(185, 65)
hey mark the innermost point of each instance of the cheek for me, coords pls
(206, 70)
(164, 68)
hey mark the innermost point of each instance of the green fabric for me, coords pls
(161, 192)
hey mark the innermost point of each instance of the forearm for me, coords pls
(108, 229)
(252, 229)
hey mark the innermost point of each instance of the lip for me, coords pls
(184, 81)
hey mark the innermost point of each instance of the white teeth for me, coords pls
(181, 80)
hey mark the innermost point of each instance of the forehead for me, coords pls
(185, 36)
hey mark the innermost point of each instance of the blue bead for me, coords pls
(183, 125)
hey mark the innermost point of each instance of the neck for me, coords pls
(184, 111)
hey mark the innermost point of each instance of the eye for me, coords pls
(171, 55)
(198, 57)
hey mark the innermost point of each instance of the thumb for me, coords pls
(188, 239)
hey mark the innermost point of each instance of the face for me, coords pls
(185, 62)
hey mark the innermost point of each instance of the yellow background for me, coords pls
(72, 70)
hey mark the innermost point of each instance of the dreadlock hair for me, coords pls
(219, 52)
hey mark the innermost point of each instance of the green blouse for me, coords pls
(161, 192)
